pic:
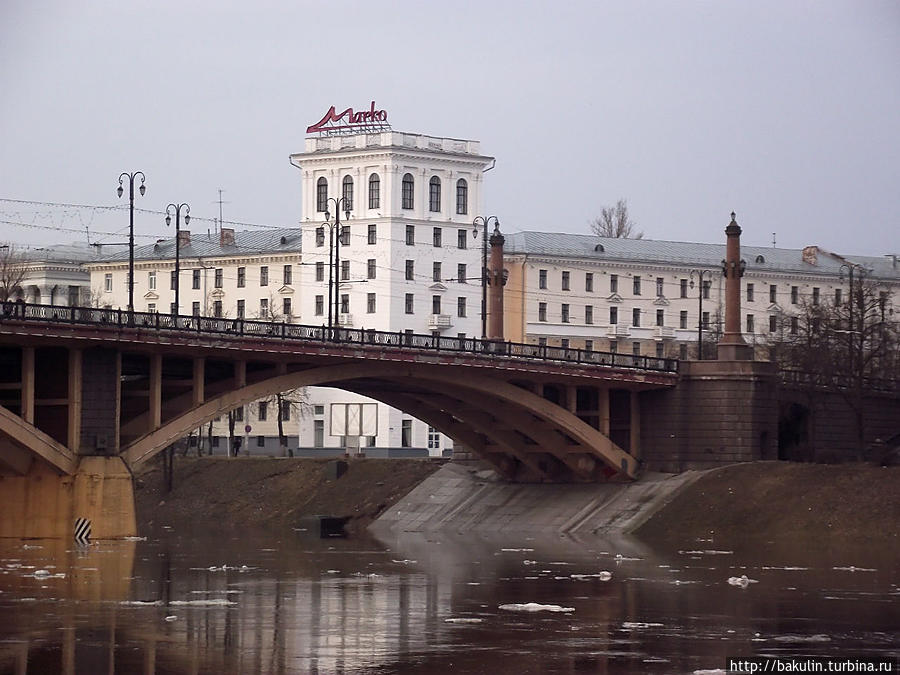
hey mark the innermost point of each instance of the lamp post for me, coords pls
(484, 222)
(120, 191)
(334, 242)
(700, 274)
(187, 219)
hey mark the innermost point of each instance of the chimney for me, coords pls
(184, 238)
(810, 255)
(226, 236)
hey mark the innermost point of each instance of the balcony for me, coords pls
(664, 332)
(617, 331)
(439, 321)
(345, 319)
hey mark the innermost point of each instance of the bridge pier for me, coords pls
(44, 504)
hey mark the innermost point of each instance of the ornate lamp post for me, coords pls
(483, 222)
(700, 275)
(334, 255)
(187, 219)
(120, 191)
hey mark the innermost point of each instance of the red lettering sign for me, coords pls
(348, 119)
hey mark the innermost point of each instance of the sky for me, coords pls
(784, 111)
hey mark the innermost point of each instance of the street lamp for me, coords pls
(335, 260)
(700, 274)
(481, 220)
(120, 191)
(187, 219)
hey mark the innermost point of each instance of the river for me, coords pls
(233, 603)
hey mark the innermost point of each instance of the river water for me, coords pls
(233, 603)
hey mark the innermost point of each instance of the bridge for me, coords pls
(87, 395)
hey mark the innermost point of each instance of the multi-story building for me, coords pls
(53, 275)
(654, 297)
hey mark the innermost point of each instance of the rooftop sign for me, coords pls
(351, 122)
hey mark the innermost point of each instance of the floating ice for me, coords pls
(802, 638)
(852, 568)
(743, 581)
(463, 620)
(786, 569)
(29, 547)
(715, 671)
(602, 576)
(41, 574)
(516, 550)
(706, 552)
(142, 603)
(535, 607)
(171, 618)
(622, 558)
(405, 562)
(632, 625)
(203, 603)
(134, 538)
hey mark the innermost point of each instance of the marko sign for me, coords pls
(351, 121)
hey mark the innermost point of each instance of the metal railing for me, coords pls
(837, 381)
(203, 325)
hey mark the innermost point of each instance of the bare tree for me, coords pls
(615, 222)
(12, 271)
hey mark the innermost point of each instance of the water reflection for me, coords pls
(429, 604)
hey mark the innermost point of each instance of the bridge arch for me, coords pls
(527, 428)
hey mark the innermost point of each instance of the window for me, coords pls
(374, 194)
(409, 302)
(406, 433)
(345, 303)
(542, 311)
(288, 275)
(407, 191)
(588, 282)
(636, 286)
(565, 312)
(195, 279)
(241, 277)
(151, 307)
(750, 326)
(461, 306)
(264, 308)
(347, 193)
(195, 308)
(320, 271)
(286, 308)
(705, 321)
(410, 270)
(434, 194)
(589, 314)
(682, 319)
(636, 348)
(773, 323)
(462, 197)
(613, 316)
(772, 293)
(320, 236)
(434, 439)
(239, 414)
(436, 271)
(564, 343)
(241, 308)
(636, 317)
(659, 287)
(151, 281)
(542, 278)
(795, 325)
(437, 237)
(107, 283)
(588, 345)
(319, 433)
(542, 341)
(682, 351)
(435, 304)
(706, 286)
(614, 346)
(795, 295)
(320, 305)
(345, 270)
(345, 235)
(372, 234)
(217, 309)
(660, 317)
(565, 281)
(659, 350)
(318, 410)
(749, 292)
(370, 268)
(264, 275)
(462, 240)
(613, 283)
(322, 195)
(410, 235)
(684, 288)
(217, 279)
(461, 273)
(285, 410)
(837, 296)
(173, 280)
(215, 441)
(815, 297)
(370, 303)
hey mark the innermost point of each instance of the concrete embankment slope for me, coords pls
(460, 498)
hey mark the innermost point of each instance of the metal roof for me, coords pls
(759, 259)
(207, 245)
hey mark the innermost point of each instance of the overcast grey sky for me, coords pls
(787, 112)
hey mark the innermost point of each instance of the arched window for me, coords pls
(462, 197)
(348, 194)
(434, 194)
(322, 195)
(374, 191)
(407, 191)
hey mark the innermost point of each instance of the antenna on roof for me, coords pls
(220, 202)
(87, 233)
(773, 240)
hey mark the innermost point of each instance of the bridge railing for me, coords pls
(832, 381)
(297, 332)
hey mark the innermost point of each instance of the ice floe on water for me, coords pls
(706, 552)
(852, 568)
(602, 576)
(142, 603)
(220, 602)
(405, 562)
(535, 607)
(516, 550)
(802, 638)
(635, 625)
(171, 618)
(134, 538)
(463, 620)
(786, 569)
(714, 671)
(743, 581)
